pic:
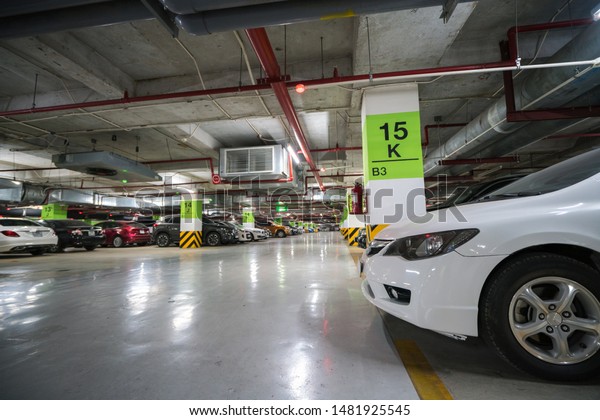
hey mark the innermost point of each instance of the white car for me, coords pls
(256, 233)
(520, 269)
(19, 235)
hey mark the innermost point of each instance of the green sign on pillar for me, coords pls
(278, 220)
(54, 211)
(247, 216)
(393, 146)
(191, 209)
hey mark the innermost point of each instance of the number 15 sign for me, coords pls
(393, 146)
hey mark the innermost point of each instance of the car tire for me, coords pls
(36, 252)
(163, 240)
(117, 242)
(213, 239)
(541, 313)
(253, 238)
(56, 248)
(90, 247)
(280, 234)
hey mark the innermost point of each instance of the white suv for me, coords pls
(520, 268)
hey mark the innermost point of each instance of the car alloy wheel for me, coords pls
(280, 234)
(117, 242)
(163, 240)
(213, 239)
(541, 312)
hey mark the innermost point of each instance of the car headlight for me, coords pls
(430, 244)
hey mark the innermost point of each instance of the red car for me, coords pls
(119, 233)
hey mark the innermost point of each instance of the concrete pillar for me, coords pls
(190, 231)
(392, 156)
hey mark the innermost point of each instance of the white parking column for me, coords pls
(190, 231)
(392, 156)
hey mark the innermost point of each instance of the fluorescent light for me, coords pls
(294, 155)
(596, 12)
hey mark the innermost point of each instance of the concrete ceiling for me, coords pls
(44, 67)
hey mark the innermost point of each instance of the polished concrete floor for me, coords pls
(280, 319)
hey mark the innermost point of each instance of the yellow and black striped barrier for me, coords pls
(373, 230)
(351, 235)
(190, 239)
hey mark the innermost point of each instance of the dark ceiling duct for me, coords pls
(85, 16)
(539, 87)
(186, 7)
(20, 7)
(292, 11)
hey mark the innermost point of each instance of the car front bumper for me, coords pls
(439, 293)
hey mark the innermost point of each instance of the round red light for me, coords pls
(300, 88)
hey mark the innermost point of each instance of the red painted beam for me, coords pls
(264, 51)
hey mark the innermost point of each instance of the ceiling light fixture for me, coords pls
(596, 12)
(294, 155)
(300, 88)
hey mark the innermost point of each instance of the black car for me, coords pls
(166, 232)
(75, 234)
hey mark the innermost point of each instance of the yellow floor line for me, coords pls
(426, 382)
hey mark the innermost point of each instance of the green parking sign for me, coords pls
(393, 146)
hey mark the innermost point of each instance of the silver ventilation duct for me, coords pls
(548, 88)
(106, 165)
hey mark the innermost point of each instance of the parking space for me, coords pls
(252, 321)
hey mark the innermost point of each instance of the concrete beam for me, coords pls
(63, 54)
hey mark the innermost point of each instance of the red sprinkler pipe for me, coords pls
(315, 82)
(427, 127)
(510, 52)
(264, 51)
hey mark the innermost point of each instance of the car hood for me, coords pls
(565, 216)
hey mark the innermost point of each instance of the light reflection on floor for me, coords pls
(278, 319)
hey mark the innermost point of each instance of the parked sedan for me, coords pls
(75, 234)
(18, 235)
(166, 232)
(119, 233)
(520, 269)
(256, 234)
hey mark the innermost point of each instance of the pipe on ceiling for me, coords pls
(291, 11)
(186, 7)
(268, 13)
(97, 14)
(478, 161)
(264, 51)
(20, 7)
(533, 89)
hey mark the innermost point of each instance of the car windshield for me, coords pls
(16, 222)
(70, 223)
(135, 225)
(554, 178)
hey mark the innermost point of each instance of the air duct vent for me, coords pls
(267, 162)
(106, 165)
